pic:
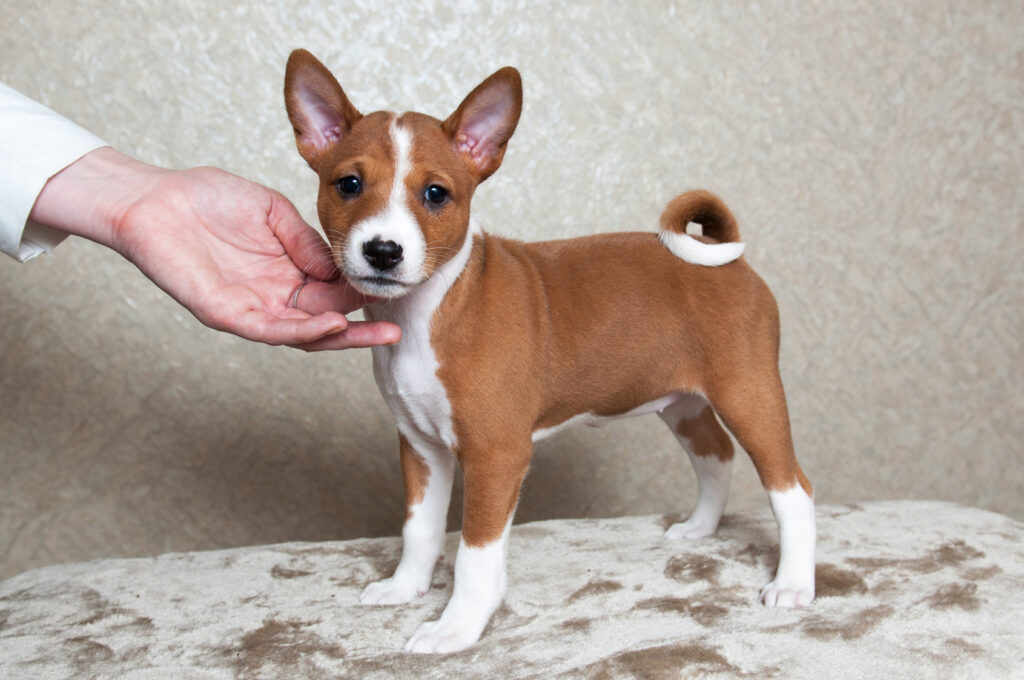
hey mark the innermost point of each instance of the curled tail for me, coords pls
(720, 243)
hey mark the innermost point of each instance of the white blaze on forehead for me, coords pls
(395, 222)
(401, 143)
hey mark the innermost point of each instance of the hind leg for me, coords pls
(710, 450)
(755, 411)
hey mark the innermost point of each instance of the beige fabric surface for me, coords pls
(872, 154)
(905, 590)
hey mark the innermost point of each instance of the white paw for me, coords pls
(778, 594)
(690, 531)
(441, 637)
(391, 591)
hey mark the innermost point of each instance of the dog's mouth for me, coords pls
(380, 286)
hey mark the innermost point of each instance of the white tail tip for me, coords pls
(687, 248)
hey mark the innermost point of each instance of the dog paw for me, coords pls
(391, 591)
(777, 594)
(689, 531)
(441, 637)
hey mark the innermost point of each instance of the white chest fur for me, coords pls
(406, 373)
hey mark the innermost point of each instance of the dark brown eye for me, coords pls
(435, 194)
(349, 186)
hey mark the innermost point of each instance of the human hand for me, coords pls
(234, 253)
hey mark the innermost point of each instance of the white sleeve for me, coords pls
(35, 144)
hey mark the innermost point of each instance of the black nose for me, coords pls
(382, 255)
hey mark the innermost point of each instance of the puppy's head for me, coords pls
(395, 189)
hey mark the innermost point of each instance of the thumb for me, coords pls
(304, 245)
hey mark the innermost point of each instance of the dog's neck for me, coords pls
(414, 310)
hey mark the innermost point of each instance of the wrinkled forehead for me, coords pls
(385, 142)
(369, 139)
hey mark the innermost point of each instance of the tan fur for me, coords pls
(535, 333)
(415, 474)
(704, 208)
(706, 436)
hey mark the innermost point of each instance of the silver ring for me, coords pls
(294, 304)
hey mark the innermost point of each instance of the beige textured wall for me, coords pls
(874, 157)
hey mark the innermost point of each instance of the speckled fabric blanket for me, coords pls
(905, 590)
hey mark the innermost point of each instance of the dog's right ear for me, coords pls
(320, 112)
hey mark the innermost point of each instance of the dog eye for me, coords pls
(435, 194)
(349, 186)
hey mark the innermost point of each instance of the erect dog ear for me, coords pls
(320, 112)
(485, 120)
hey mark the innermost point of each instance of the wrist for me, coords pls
(88, 197)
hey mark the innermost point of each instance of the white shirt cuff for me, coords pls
(35, 144)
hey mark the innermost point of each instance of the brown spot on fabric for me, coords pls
(23, 595)
(982, 573)
(952, 554)
(100, 608)
(312, 551)
(506, 619)
(594, 588)
(666, 605)
(691, 567)
(576, 625)
(84, 652)
(667, 662)
(704, 613)
(382, 559)
(284, 644)
(850, 628)
(284, 573)
(959, 595)
(754, 555)
(955, 553)
(961, 648)
(832, 581)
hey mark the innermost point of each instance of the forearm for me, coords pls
(88, 197)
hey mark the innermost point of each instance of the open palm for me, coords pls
(240, 258)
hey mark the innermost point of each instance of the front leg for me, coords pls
(491, 492)
(427, 472)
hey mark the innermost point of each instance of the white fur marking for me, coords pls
(687, 248)
(395, 222)
(480, 584)
(794, 581)
(422, 535)
(713, 475)
(406, 373)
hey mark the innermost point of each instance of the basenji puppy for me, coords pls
(504, 342)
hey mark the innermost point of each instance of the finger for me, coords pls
(317, 297)
(277, 330)
(304, 245)
(358, 334)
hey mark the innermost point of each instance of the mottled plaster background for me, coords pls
(873, 155)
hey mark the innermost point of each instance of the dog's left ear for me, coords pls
(485, 120)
